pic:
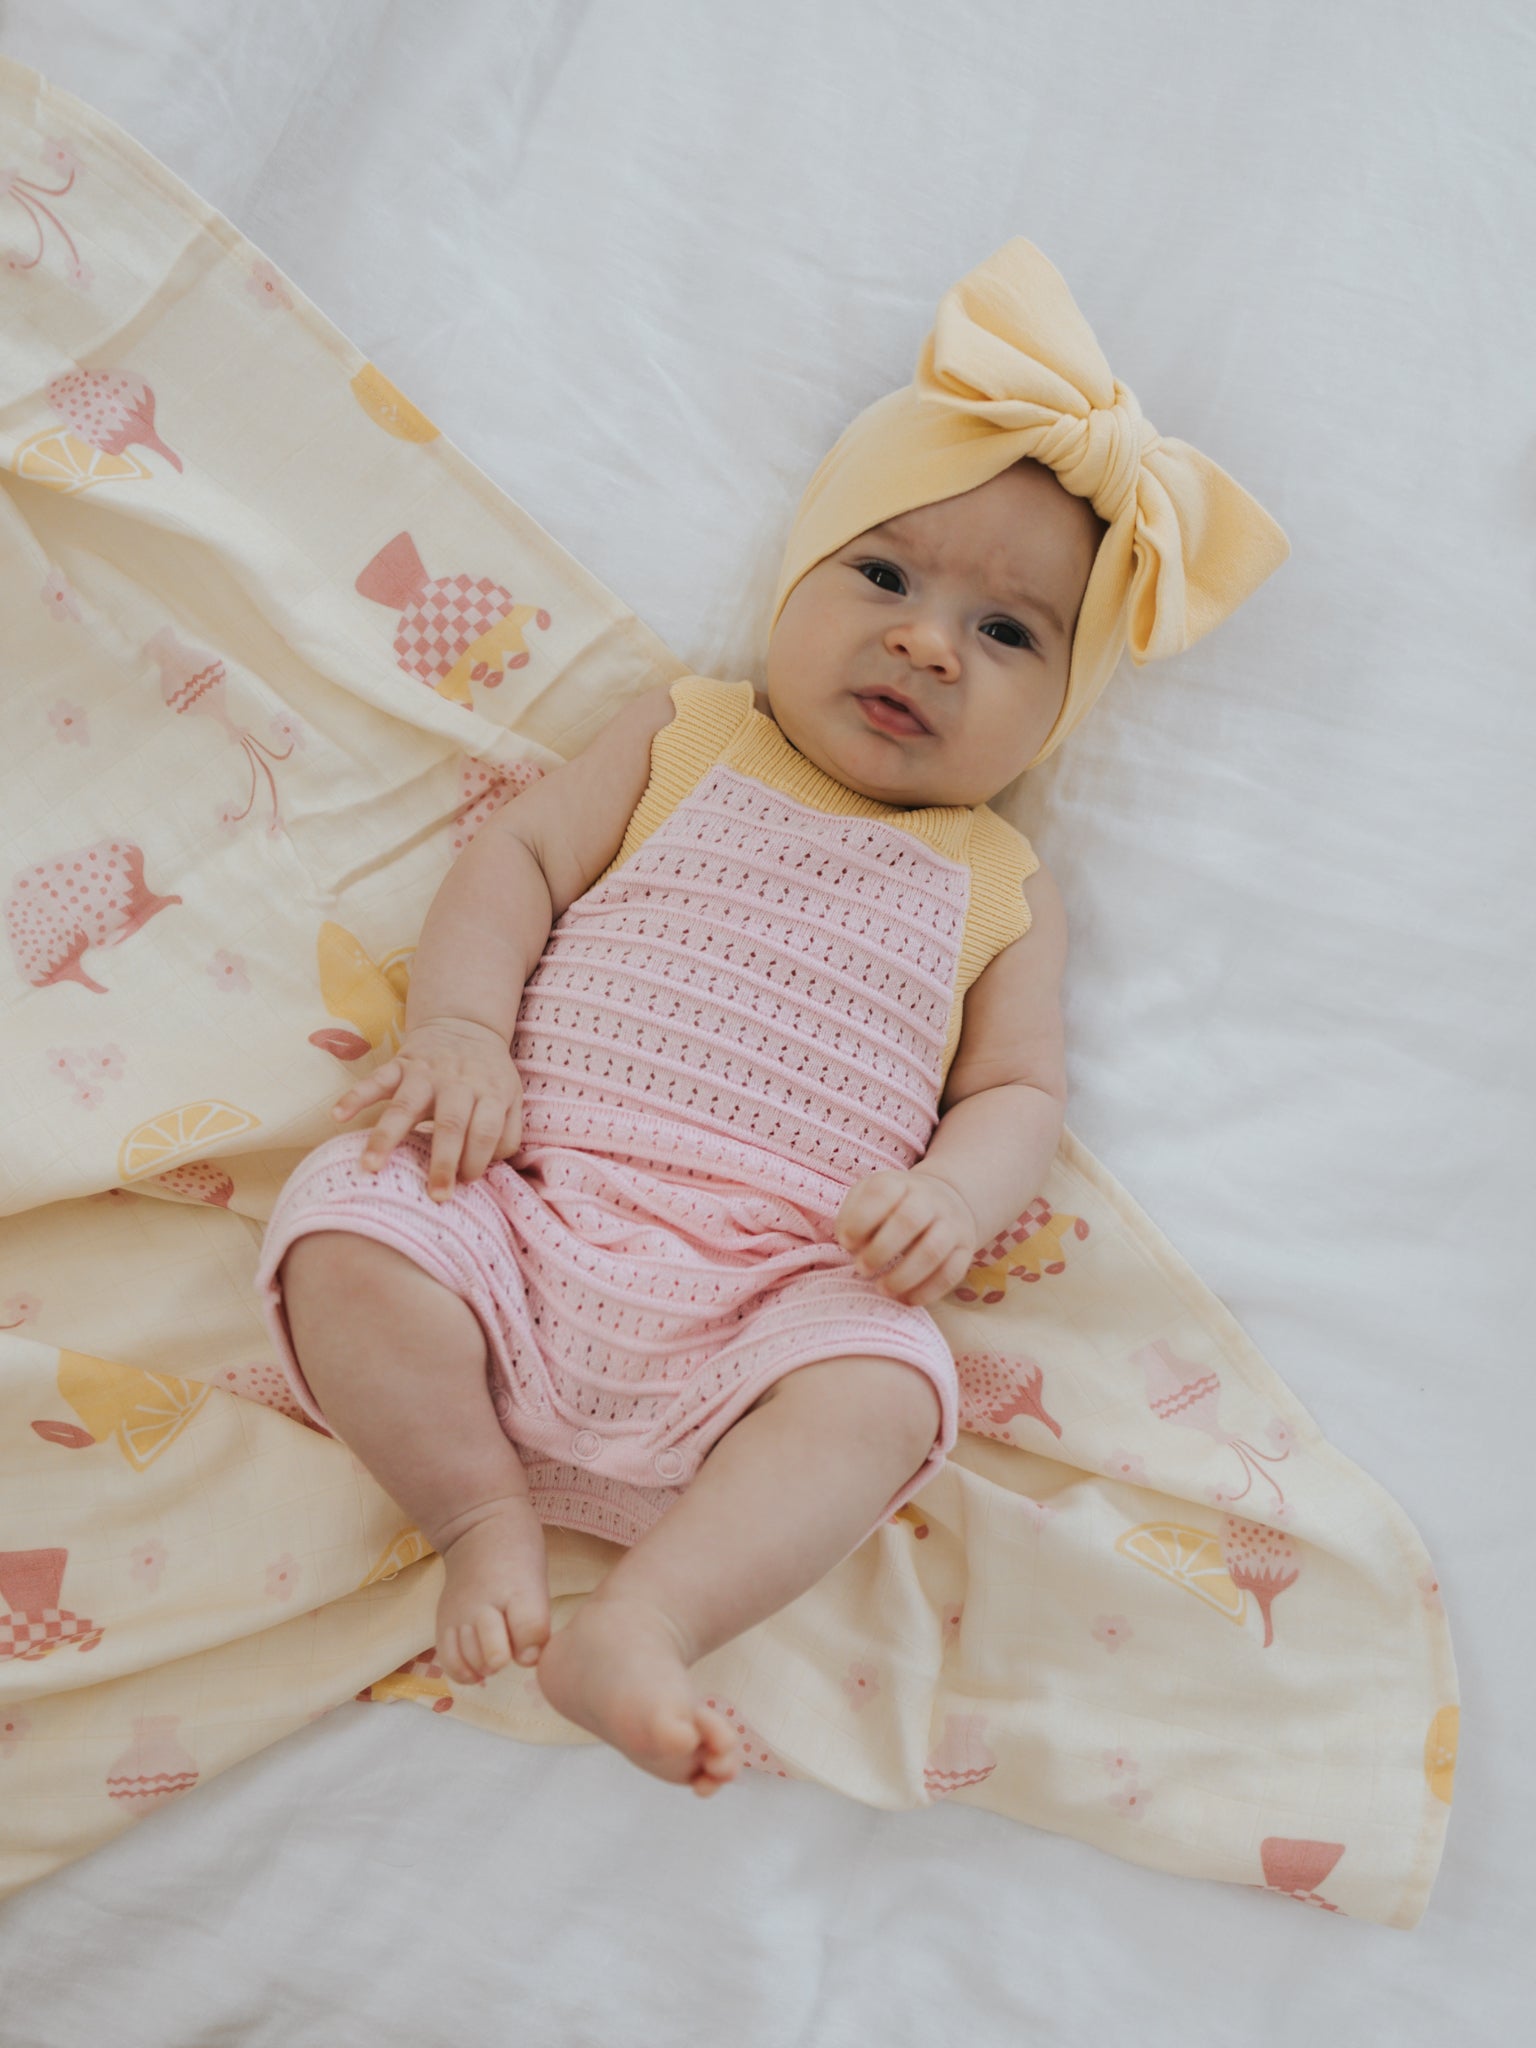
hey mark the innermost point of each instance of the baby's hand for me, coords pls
(463, 1077)
(916, 1220)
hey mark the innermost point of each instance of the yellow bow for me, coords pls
(1012, 369)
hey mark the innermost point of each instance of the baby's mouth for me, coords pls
(890, 716)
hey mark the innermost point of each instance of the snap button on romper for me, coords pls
(752, 1009)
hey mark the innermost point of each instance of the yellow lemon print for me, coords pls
(409, 1547)
(1189, 1557)
(64, 462)
(145, 1411)
(1440, 1752)
(180, 1133)
(389, 408)
(370, 994)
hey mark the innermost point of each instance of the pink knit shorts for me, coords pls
(631, 1315)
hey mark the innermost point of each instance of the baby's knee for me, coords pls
(878, 1400)
(340, 1264)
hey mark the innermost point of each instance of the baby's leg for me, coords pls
(397, 1364)
(784, 1496)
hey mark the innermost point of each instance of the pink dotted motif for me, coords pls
(90, 896)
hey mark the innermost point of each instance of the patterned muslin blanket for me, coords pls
(274, 649)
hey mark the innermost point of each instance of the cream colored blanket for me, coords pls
(273, 649)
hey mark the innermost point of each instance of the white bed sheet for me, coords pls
(642, 263)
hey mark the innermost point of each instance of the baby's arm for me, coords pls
(482, 938)
(490, 919)
(1002, 1112)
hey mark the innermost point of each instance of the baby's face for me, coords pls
(967, 609)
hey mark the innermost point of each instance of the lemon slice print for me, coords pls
(409, 1547)
(355, 986)
(64, 462)
(1440, 1752)
(1189, 1557)
(145, 1411)
(180, 1134)
(389, 408)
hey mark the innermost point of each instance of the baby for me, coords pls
(738, 1035)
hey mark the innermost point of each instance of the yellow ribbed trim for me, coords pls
(715, 721)
(1001, 862)
(706, 717)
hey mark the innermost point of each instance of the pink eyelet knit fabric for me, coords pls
(734, 1025)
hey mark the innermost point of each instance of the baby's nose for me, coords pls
(925, 644)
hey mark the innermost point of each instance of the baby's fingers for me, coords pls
(382, 1081)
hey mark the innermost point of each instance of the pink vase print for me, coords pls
(90, 896)
(454, 630)
(32, 1623)
(110, 409)
(1259, 1561)
(1182, 1392)
(1298, 1867)
(192, 681)
(994, 1389)
(154, 1767)
(32, 196)
(960, 1757)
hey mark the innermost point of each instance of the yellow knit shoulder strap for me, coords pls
(1001, 861)
(706, 718)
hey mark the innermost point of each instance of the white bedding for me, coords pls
(641, 263)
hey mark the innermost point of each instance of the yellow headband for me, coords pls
(1010, 370)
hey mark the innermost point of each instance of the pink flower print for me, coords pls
(58, 156)
(69, 724)
(1429, 1592)
(289, 729)
(20, 1308)
(1132, 1802)
(147, 1562)
(14, 1730)
(1119, 1764)
(86, 1070)
(283, 1577)
(1039, 1512)
(1219, 1495)
(228, 816)
(861, 1682)
(1111, 1630)
(1281, 1436)
(1127, 1466)
(228, 971)
(950, 1625)
(59, 597)
(266, 288)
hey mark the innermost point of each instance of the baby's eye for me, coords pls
(1025, 637)
(872, 569)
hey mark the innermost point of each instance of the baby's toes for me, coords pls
(489, 1633)
(719, 1755)
(527, 1623)
(450, 1654)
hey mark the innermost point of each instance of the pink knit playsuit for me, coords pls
(752, 1009)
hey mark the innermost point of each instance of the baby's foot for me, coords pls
(616, 1670)
(495, 1602)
